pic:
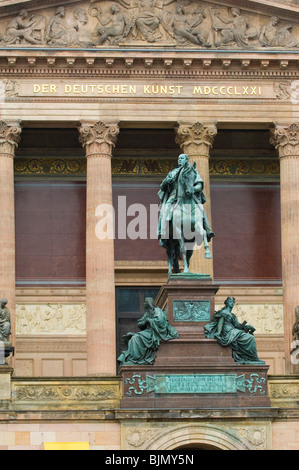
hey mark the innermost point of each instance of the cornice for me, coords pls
(25, 64)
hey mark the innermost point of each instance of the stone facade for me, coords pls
(202, 70)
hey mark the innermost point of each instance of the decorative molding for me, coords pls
(244, 167)
(38, 394)
(50, 166)
(169, 436)
(132, 166)
(284, 391)
(15, 69)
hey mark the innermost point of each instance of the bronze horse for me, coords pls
(186, 228)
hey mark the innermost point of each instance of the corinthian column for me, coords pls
(10, 134)
(196, 140)
(99, 140)
(286, 140)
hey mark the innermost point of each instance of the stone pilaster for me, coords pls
(10, 134)
(99, 140)
(286, 140)
(196, 140)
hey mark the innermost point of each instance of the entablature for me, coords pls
(127, 25)
(24, 63)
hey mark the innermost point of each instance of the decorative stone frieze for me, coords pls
(266, 318)
(51, 319)
(75, 394)
(179, 23)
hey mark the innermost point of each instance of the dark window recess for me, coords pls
(129, 308)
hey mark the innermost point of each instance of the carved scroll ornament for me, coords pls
(286, 139)
(10, 136)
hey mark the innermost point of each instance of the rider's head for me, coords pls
(182, 159)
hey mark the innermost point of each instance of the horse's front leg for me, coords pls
(208, 254)
(183, 251)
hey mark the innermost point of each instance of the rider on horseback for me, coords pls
(171, 193)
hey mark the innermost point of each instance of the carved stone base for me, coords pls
(154, 387)
(193, 371)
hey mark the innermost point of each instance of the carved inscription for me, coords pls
(195, 384)
(107, 89)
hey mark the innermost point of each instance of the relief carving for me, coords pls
(60, 33)
(234, 29)
(51, 319)
(26, 29)
(113, 27)
(267, 318)
(273, 36)
(164, 22)
(62, 393)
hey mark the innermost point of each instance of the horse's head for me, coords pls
(188, 178)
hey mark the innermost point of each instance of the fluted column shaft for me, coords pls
(286, 140)
(10, 134)
(196, 140)
(99, 140)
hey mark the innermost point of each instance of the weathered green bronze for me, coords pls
(143, 346)
(196, 384)
(6, 347)
(192, 310)
(4, 321)
(183, 222)
(226, 328)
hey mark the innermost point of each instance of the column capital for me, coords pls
(285, 138)
(10, 136)
(196, 138)
(98, 138)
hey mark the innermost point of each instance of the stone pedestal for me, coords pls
(193, 371)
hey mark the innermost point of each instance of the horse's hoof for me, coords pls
(208, 255)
